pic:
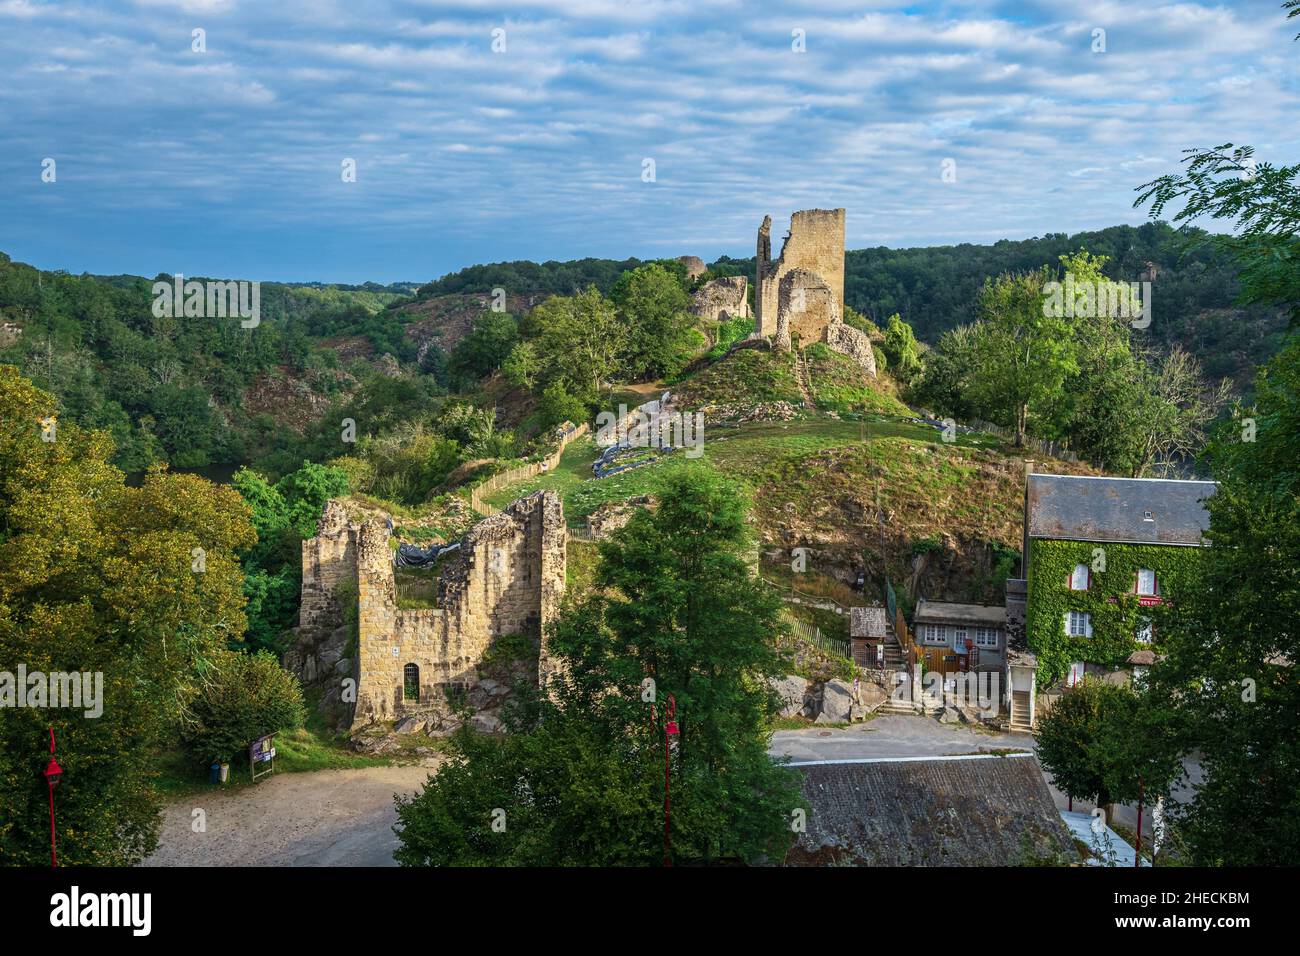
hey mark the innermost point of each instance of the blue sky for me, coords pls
(228, 162)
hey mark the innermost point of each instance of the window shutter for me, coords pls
(1067, 623)
(1087, 624)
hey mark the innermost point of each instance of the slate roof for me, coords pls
(1082, 508)
(943, 612)
(927, 811)
(867, 622)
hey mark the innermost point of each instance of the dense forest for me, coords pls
(934, 288)
(199, 392)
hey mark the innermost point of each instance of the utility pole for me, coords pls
(670, 731)
(52, 774)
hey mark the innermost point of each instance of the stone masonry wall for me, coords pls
(507, 578)
(722, 299)
(800, 296)
(816, 244)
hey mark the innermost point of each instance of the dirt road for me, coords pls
(327, 818)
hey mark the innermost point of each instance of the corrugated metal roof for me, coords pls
(1120, 510)
(953, 811)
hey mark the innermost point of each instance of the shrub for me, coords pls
(245, 696)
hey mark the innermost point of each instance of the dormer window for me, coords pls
(1148, 516)
(1079, 578)
(1146, 582)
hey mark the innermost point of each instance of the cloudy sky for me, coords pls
(229, 161)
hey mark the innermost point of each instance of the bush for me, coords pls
(245, 696)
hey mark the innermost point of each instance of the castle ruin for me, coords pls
(799, 296)
(506, 578)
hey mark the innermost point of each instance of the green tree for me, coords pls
(141, 585)
(901, 350)
(486, 347)
(558, 406)
(1231, 650)
(676, 612)
(653, 307)
(242, 697)
(1231, 653)
(522, 366)
(1076, 737)
(580, 341)
(1023, 353)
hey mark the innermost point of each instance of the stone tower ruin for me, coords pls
(800, 294)
(507, 578)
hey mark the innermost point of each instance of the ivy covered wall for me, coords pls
(1110, 599)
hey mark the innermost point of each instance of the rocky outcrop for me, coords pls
(793, 691)
(722, 299)
(837, 702)
(854, 343)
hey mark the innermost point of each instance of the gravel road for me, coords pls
(326, 818)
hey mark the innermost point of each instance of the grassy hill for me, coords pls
(947, 518)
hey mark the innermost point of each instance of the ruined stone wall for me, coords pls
(722, 299)
(507, 579)
(800, 297)
(815, 244)
(806, 308)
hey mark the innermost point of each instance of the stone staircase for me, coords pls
(801, 375)
(1020, 713)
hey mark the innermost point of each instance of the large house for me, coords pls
(1103, 558)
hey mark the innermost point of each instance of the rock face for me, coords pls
(853, 343)
(837, 702)
(722, 299)
(800, 295)
(792, 690)
(507, 579)
(613, 515)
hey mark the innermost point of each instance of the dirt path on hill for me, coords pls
(326, 818)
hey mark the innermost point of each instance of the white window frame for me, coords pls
(1078, 670)
(1145, 633)
(1074, 577)
(986, 637)
(961, 639)
(1155, 584)
(1082, 618)
(934, 635)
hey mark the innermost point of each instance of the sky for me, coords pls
(558, 129)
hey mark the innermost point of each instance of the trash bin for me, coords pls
(225, 772)
(214, 773)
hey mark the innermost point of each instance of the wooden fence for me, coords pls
(1052, 449)
(835, 646)
(522, 473)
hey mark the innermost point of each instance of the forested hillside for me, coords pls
(933, 288)
(192, 391)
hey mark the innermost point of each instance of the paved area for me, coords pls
(327, 818)
(892, 735)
